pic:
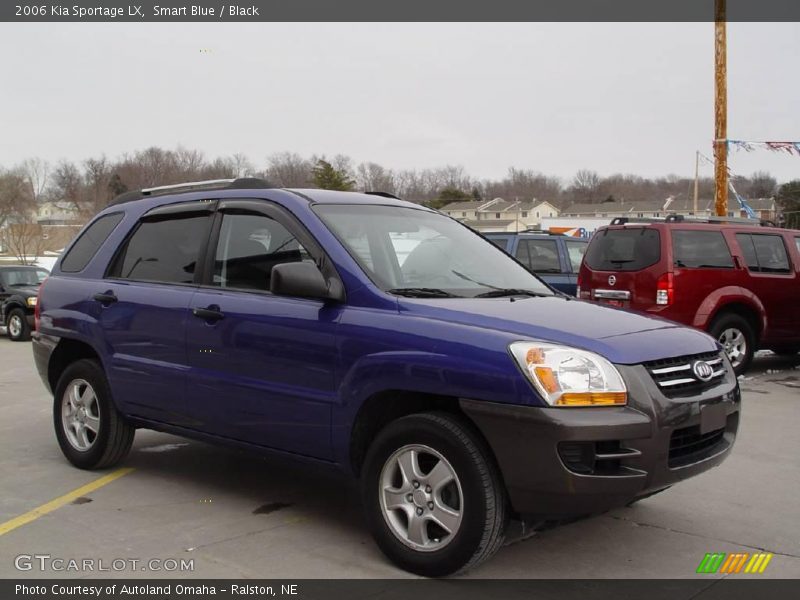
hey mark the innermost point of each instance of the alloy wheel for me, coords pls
(735, 344)
(80, 415)
(421, 498)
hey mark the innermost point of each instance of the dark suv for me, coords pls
(19, 286)
(731, 277)
(358, 331)
(556, 259)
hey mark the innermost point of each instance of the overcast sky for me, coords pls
(635, 98)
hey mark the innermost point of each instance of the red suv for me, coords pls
(736, 280)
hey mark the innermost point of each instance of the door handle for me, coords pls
(105, 298)
(210, 313)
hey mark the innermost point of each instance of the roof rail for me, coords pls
(179, 188)
(675, 218)
(384, 195)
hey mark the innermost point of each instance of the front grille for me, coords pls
(676, 377)
(688, 445)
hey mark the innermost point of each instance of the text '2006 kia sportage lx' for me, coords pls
(382, 338)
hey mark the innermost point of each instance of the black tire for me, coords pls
(24, 330)
(731, 321)
(114, 437)
(483, 513)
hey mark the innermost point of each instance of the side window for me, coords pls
(501, 243)
(797, 243)
(576, 250)
(771, 253)
(698, 249)
(164, 250)
(522, 254)
(764, 253)
(543, 255)
(87, 245)
(748, 250)
(249, 246)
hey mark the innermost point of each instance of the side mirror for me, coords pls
(301, 279)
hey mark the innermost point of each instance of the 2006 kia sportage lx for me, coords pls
(382, 338)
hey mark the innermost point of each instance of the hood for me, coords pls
(25, 290)
(620, 336)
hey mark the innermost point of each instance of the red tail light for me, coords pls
(665, 290)
(37, 312)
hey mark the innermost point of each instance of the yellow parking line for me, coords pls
(49, 507)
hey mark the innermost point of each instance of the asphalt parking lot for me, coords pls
(241, 516)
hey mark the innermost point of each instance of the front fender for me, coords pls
(724, 296)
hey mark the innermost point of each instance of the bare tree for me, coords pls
(16, 200)
(24, 241)
(585, 185)
(288, 169)
(36, 172)
(372, 177)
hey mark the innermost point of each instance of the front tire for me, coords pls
(17, 326)
(737, 338)
(432, 494)
(91, 432)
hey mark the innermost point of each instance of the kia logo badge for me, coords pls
(612, 280)
(703, 370)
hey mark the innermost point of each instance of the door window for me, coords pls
(576, 250)
(249, 246)
(540, 256)
(163, 250)
(764, 253)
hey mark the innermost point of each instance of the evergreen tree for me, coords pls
(326, 177)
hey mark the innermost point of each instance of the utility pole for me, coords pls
(720, 110)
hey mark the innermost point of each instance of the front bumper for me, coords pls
(566, 462)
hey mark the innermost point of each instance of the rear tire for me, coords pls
(737, 338)
(17, 326)
(433, 496)
(91, 432)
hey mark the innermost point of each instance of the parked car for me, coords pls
(19, 286)
(737, 280)
(556, 259)
(357, 331)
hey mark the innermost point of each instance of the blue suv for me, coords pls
(381, 338)
(556, 259)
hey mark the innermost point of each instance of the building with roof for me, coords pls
(765, 208)
(500, 214)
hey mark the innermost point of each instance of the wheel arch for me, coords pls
(735, 300)
(67, 352)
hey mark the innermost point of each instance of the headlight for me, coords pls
(31, 301)
(567, 376)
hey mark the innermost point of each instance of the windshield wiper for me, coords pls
(422, 292)
(500, 293)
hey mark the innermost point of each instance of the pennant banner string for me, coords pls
(792, 148)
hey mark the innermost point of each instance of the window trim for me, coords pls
(272, 210)
(166, 212)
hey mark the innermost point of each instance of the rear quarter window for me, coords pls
(700, 249)
(89, 242)
(629, 249)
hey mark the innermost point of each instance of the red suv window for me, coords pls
(629, 249)
(764, 253)
(700, 249)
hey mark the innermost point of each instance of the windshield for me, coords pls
(628, 249)
(12, 277)
(416, 252)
